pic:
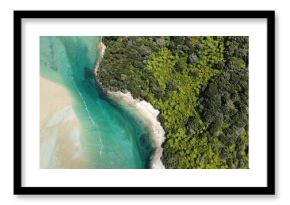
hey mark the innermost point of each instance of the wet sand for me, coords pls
(60, 141)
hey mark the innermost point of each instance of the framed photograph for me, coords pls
(144, 102)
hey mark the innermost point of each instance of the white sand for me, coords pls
(60, 141)
(149, 116)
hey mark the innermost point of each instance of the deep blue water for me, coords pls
(112, 135)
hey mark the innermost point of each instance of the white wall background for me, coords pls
(282, 99)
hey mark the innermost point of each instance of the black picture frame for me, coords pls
(268, 190)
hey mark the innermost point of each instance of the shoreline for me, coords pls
(149, 117)
(102, 48)
(145, 110)
(60, 139)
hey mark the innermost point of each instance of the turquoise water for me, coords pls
(112, 136)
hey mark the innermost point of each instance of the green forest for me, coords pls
(200, 86)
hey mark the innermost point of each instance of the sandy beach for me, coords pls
(102, 48)
(60, 142)
(149, 116)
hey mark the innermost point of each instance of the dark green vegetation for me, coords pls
(200, 87)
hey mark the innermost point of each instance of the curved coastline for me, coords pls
(145, 110)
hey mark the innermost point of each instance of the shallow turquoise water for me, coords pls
(112, 136)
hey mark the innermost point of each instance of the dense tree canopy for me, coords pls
(200, 87)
